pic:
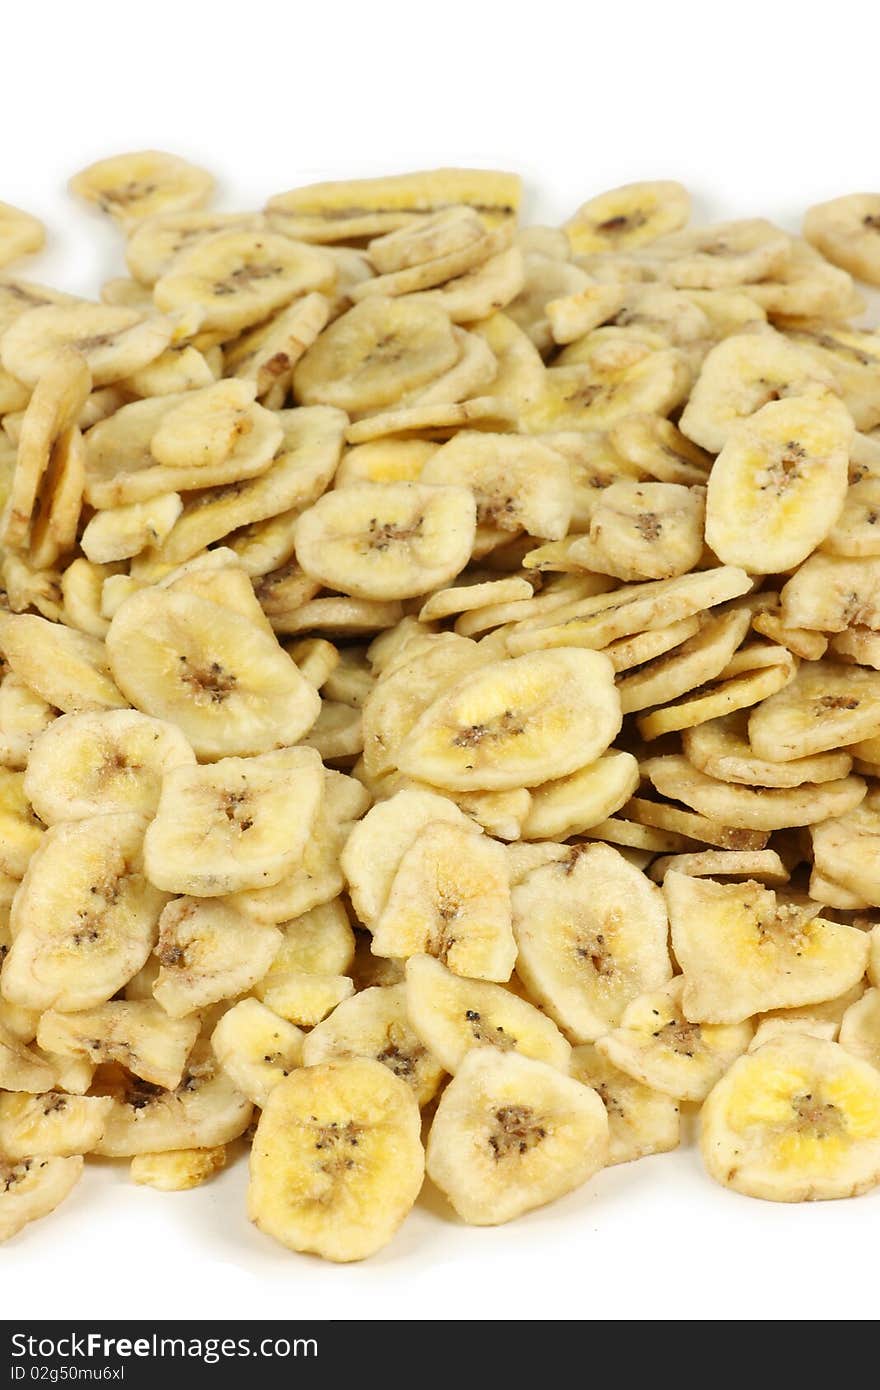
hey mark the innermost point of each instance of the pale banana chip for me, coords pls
(178, 1170)
(763, 865)
(572, 804)
(375, 1023)
(743, 951)
(721, 748)
(655, 1044)
(450, 898)
(640, 1121)
(592, 936)
(131, 187)
(34, 1188)
(824, 708)
(511, 1134)
(68, 669)
(797, 1120)
(341, 1204)
(85, 917)
(307, 977)
(24, 715)
(845, 230)
(518, 484)
(628, 217)
(845, 850)
(114, 342)
(752, 808)
(137, 1034)
(208, 951)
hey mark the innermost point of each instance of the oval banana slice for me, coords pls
(640, 1121)
(337, 1160)
(208, 951)
(34, 1188)
(256, 1048)
(387, 541)
(115, 342)
(131, 187)
(797, 1120)
(102, 763)
(592, 935)
(825, 707)
(85, 916)
(452, 1015)
(743, 951)
(845, 849)
(572, 804)
(137, 1034)
(721, 749)
(511, 1134)
(375, 1023)
(203, 1110)
(779, 484)
(628, 217)
(516, 723)
(238, 823)
(519, 484)
(450, 898)
(68, 669)
(847, 232)
(229, 686)
(752, 808)
(235, 279)
(654, 1043)
(179, 1170)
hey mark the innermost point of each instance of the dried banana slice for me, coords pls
(779, 484)
(479, 292)
(337, 1160)
(52, 411)
(24, 715)
(179, 1169)
(519, 376)
(85, 916)
(519, 484)
(852, 356)
(807, 287)
(137, 1034)
(67, 669)
(25, 587)
(860, 1028)
(208, 951)
(655, 1044)
(34, 1188)
(229, 686)
(824, 708)
(743, 951)
(203, 1111)
(578, 311)
(20, 831)
(831, 593)
(797, 1120)
(131, 187)
(201, 429)
(856, 532)
(511, 1134)
(387, 541)
(847, 232)
(516, 723)
(744, 373)
(357, 208)
(438, 270)
(453, 1015)
(764, 865)
(114, 342)
(721, 749)
(845, 849)
(238, 823)
(307, 978)
(721, 256)
(682, 829)
(570, 805)
(20, 234)
(591, 934)
(812, 646)
(640, 1121)
(120, 532)
(546, 279)
(375, 1024)
(441, 234)
(473, 592)
(384, 461)
(375, 353)
(256, 1048)
(377, 845)
(658, 449)
(238, 278)
(752, 808)
(628, 217)
(58, 505)
(102, 763)
(317, 878)
(450, 897)
(594, 393)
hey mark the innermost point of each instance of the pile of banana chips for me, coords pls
(440, 719)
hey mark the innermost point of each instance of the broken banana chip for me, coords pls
(440, 699)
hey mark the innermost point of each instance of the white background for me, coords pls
(761, 107)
